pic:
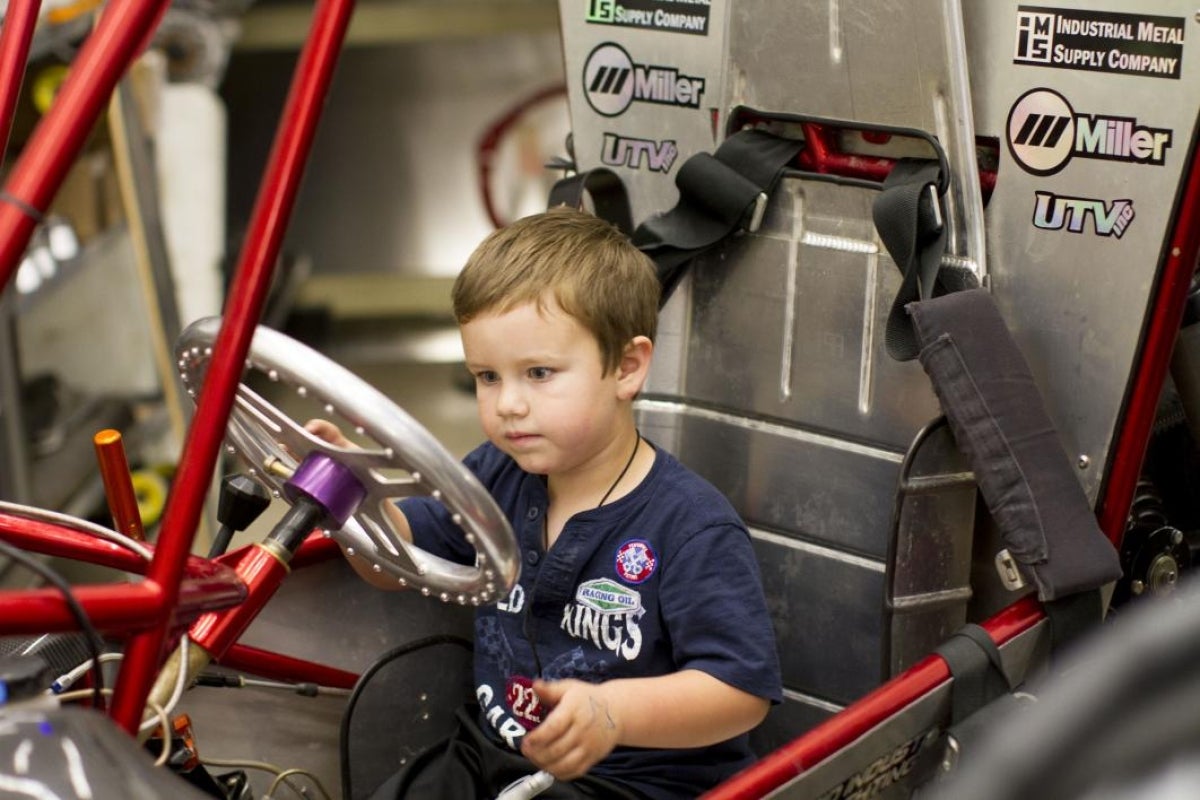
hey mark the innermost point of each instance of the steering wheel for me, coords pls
(406, 461)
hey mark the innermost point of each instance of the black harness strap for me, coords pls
(610, 201)
(719, 194)
(909, 222)
(979, 676)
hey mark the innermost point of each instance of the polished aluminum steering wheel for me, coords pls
(405, 460)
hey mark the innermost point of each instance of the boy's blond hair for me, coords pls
(590, 268)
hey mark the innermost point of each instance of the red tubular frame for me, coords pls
(15, 37)
(177, 587)
(281, 182)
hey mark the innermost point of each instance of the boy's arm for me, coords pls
(689, 708)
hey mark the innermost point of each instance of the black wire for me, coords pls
(94, 642)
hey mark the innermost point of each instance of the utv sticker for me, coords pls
(626, 151)
(608, 596)
(1044, 133)
(675, 16)
(612, 81)
(635, 561)
(1053, 212)
(1099, 41)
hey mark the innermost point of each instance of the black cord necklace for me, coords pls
(637, 442)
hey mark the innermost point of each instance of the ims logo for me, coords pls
(1035, 37)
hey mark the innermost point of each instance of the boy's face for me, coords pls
(538, 383)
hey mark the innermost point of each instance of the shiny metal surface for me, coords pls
(267, 439)
(882, 63)
(670, 123)
(1076, 299)
(771, 377)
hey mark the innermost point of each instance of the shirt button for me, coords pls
(532, 513)
(532, 557)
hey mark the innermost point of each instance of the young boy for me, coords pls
(635, 652)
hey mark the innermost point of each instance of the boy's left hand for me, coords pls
(579, 731)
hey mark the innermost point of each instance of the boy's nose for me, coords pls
(510, 401)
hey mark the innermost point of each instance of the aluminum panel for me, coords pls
(827, 630)
(788, 323)
(644, 81)
(831, 492)
(1078, 220)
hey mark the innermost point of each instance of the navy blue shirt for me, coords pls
(661, 580)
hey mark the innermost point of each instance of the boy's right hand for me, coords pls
(326, 431)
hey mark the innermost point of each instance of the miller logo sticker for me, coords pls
(635, 561)
(612, 82)
(1044, 133)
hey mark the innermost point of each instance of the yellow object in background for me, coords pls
(46, 85)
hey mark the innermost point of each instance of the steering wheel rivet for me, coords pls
(360, 430)
(329, 408)
(416, 477)
(389, 453)
(436, 494)
(349, 551)
(470, 536)
(191, 392)
(404, 581)
(302, 391)
(425, 591)
(273, 374)
(327, 533)
(422, 569)
(457, 520)
(275, 493)
(376, 568)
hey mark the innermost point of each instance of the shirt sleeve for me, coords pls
(432, 529)
(716, 614)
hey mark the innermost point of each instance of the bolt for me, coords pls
(1084, 462)
(1137, 587)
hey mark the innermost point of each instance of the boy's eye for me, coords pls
(485, 376)
(540, 373)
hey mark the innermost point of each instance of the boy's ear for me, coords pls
(634, 367)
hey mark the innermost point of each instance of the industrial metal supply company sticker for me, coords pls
(1099, 41)
(675, 16)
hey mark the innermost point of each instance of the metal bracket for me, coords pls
(1010, 576)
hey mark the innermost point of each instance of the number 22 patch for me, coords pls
(523, 701)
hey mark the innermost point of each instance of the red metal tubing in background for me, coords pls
(275, 666)
(281, 182)
(1154, 358)
(19, 21)
(58, 138)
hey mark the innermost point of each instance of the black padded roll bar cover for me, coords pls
(999, 420)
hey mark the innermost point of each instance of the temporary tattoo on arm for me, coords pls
(609, 723)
